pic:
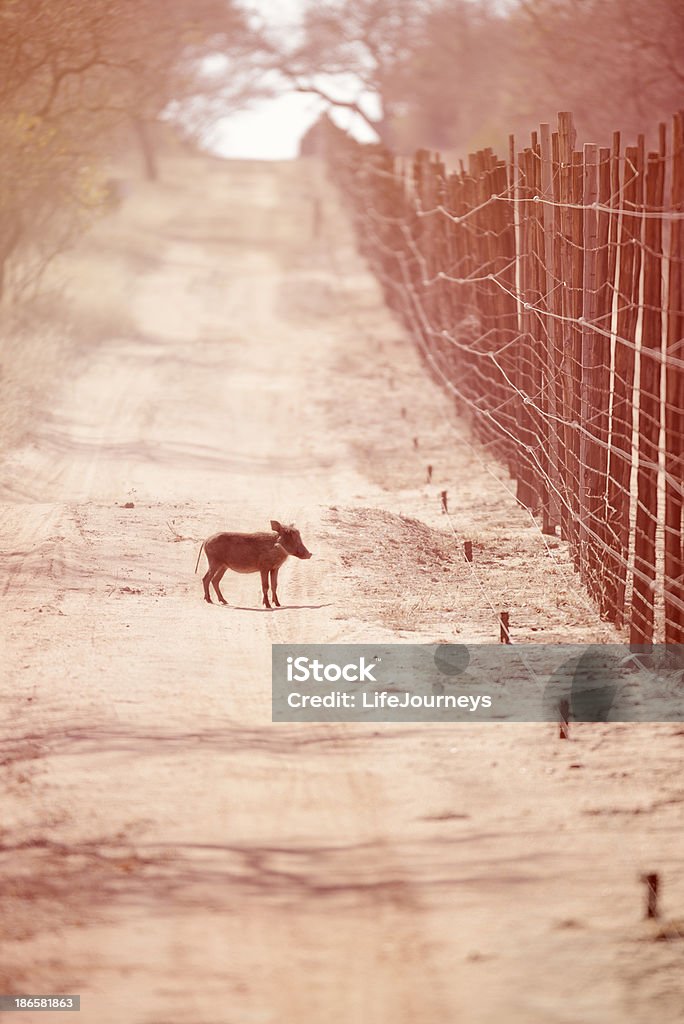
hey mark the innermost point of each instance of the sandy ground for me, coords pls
(166, 851)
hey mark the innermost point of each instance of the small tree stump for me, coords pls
(652, 882)
(564, 719)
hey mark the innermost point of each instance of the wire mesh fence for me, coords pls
(546, 292)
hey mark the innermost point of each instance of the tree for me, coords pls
(72, 73)
(356, 55)
(459, 98)
(463, 74)
(614, 63)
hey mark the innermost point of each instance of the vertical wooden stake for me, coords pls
(415, 443)
(429, 474)
(504, 633)
(674, 404)
(652, 885)
(591, 401)
(444, 499)
(551, 512)
(564, 719)
(468, 550)
(624, 393)
(644, 585)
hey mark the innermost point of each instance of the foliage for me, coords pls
(461, 74)
(71, 74)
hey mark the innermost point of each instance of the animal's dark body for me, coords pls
(251, 552)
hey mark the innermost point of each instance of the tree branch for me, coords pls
(346, 104)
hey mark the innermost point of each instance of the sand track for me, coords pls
(168, 852)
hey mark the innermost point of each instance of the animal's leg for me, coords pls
(216, 579)
(206, 579)
(264, 587)
(274, 584)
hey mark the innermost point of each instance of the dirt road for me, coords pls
(165, 850)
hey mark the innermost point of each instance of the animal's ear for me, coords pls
(275, 525)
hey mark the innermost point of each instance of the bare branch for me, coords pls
(345, 104)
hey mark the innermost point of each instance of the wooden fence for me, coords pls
(546, 292)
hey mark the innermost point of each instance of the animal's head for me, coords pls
(290, 538)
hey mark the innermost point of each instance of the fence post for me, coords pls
(539, 341)
(607, 218)
(568, 225)
(558, 299)
(590, 401)
(525, 491)
(576, 297)
(621, 426)
(485, 301)
(550, 328)
(652, 881)
(642, 618)
(513, 356)
(564, 719)
(674, 402)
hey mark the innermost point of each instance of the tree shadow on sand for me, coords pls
(75, 739)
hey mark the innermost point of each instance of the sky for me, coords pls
(271, 130)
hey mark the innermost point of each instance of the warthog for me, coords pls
(250, 552)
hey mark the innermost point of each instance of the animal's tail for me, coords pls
(199, 556)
